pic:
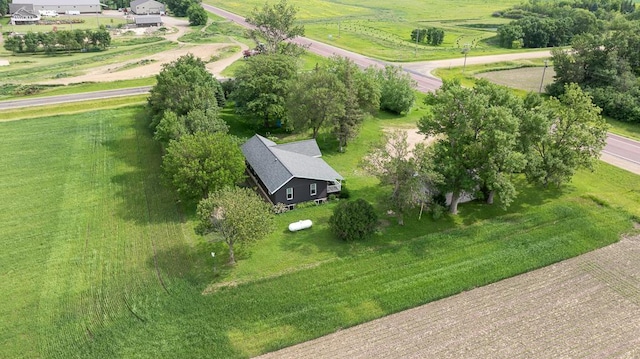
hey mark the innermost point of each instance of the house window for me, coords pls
(313, 188)
(289, 193)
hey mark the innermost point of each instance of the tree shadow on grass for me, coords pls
(529, 196)
(144, 198)
(190, 264)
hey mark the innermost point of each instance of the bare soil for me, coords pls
(586, 307)
(154, 62)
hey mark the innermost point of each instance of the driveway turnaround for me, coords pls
(585, 307)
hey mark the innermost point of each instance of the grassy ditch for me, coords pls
(100, 260)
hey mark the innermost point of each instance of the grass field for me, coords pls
(100, 261)
(382, 29)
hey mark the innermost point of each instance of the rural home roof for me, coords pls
(24, 15)
(148, 19)
(147, 6)
(278, 164)
(61, 5)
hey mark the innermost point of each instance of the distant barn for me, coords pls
(148, 20)
(58, 6)
(147, 7)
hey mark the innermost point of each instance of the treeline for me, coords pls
(432, 36)
(64, 40)
(607, 66)
(549, 24)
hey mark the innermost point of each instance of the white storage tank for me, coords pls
(296, 226)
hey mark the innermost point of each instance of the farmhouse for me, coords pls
(24, 16)
(147, 7)
(148, 20)
(59, 6)
(290, 173)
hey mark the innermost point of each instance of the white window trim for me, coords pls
(289, 198)
(313, 189)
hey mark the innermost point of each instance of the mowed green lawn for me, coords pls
(100, 261)
(382, 29)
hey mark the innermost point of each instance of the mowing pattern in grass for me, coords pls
(98, 261)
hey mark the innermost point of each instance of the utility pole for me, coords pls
(546, 63)
(465, 51)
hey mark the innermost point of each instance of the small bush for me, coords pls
(344, 193)
(279, 208)
(353, 220)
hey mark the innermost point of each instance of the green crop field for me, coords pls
(99, 260)
(382, 29)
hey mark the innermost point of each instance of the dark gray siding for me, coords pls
(301, 191)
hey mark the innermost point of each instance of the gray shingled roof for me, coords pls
(138, 2)
(278, 164)
(148, 19)
(57, 2)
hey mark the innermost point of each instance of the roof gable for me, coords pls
(24, 13)
(57, 2)
(148, 19)
(140, 2)
(278, 164)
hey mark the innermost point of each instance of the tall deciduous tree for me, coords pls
(315, 99)
(397, 90)
(201, 163)
(182, 86)
(4, 7)
(409, 174)
(477, 148)
(172, 126)
(452, 106)
(262, 86)
(275, 24)
(570, 135)
(238, 215)
(362, 97)
(196, 14)
(179, 7)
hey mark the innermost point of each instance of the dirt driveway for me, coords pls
(585, 307)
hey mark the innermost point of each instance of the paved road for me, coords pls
(51, 100)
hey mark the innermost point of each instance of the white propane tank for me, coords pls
(296, 226)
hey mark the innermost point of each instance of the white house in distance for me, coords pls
(24, 17)
(140, 7)
(58, 6)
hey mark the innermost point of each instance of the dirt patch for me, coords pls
(153, 63)
(584, 307)
(413, 136)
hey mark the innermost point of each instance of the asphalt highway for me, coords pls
(85, 96)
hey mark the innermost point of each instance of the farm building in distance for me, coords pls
(59, 6)
(24, 17)
(147, 7)
(290, 173)
(148, 20)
